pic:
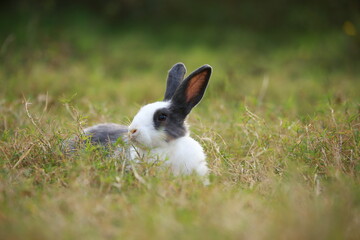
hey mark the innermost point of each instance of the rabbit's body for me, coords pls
(158, 131)
(106, 133)
(183, 156)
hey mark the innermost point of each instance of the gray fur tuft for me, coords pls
(100, 134)
(106, 133)
(175, 77)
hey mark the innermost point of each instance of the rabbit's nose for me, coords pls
(133, 132)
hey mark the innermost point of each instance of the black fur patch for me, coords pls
(173, 125)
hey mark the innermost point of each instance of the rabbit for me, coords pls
(159, 129)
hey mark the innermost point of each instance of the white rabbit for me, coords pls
(159, 129)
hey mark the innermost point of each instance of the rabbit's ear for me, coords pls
(191, 91)
(175, 76)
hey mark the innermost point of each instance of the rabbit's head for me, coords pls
(157, 124)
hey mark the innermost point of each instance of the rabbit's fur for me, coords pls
(159, 128)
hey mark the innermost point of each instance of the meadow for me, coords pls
(280, 124)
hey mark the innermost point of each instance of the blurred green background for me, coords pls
(299, 52)
(279, 122)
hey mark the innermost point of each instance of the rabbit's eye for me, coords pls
(162, 117)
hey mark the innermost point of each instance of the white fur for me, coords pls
(146, 134)
(183, 155)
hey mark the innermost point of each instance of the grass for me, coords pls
(279, 123)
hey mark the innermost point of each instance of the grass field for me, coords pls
(280, 124)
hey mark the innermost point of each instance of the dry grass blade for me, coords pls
(22, 157)
(263, 89)
(136, 174)
(43, 139)
(5, 154)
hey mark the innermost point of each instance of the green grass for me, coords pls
(280, 125)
